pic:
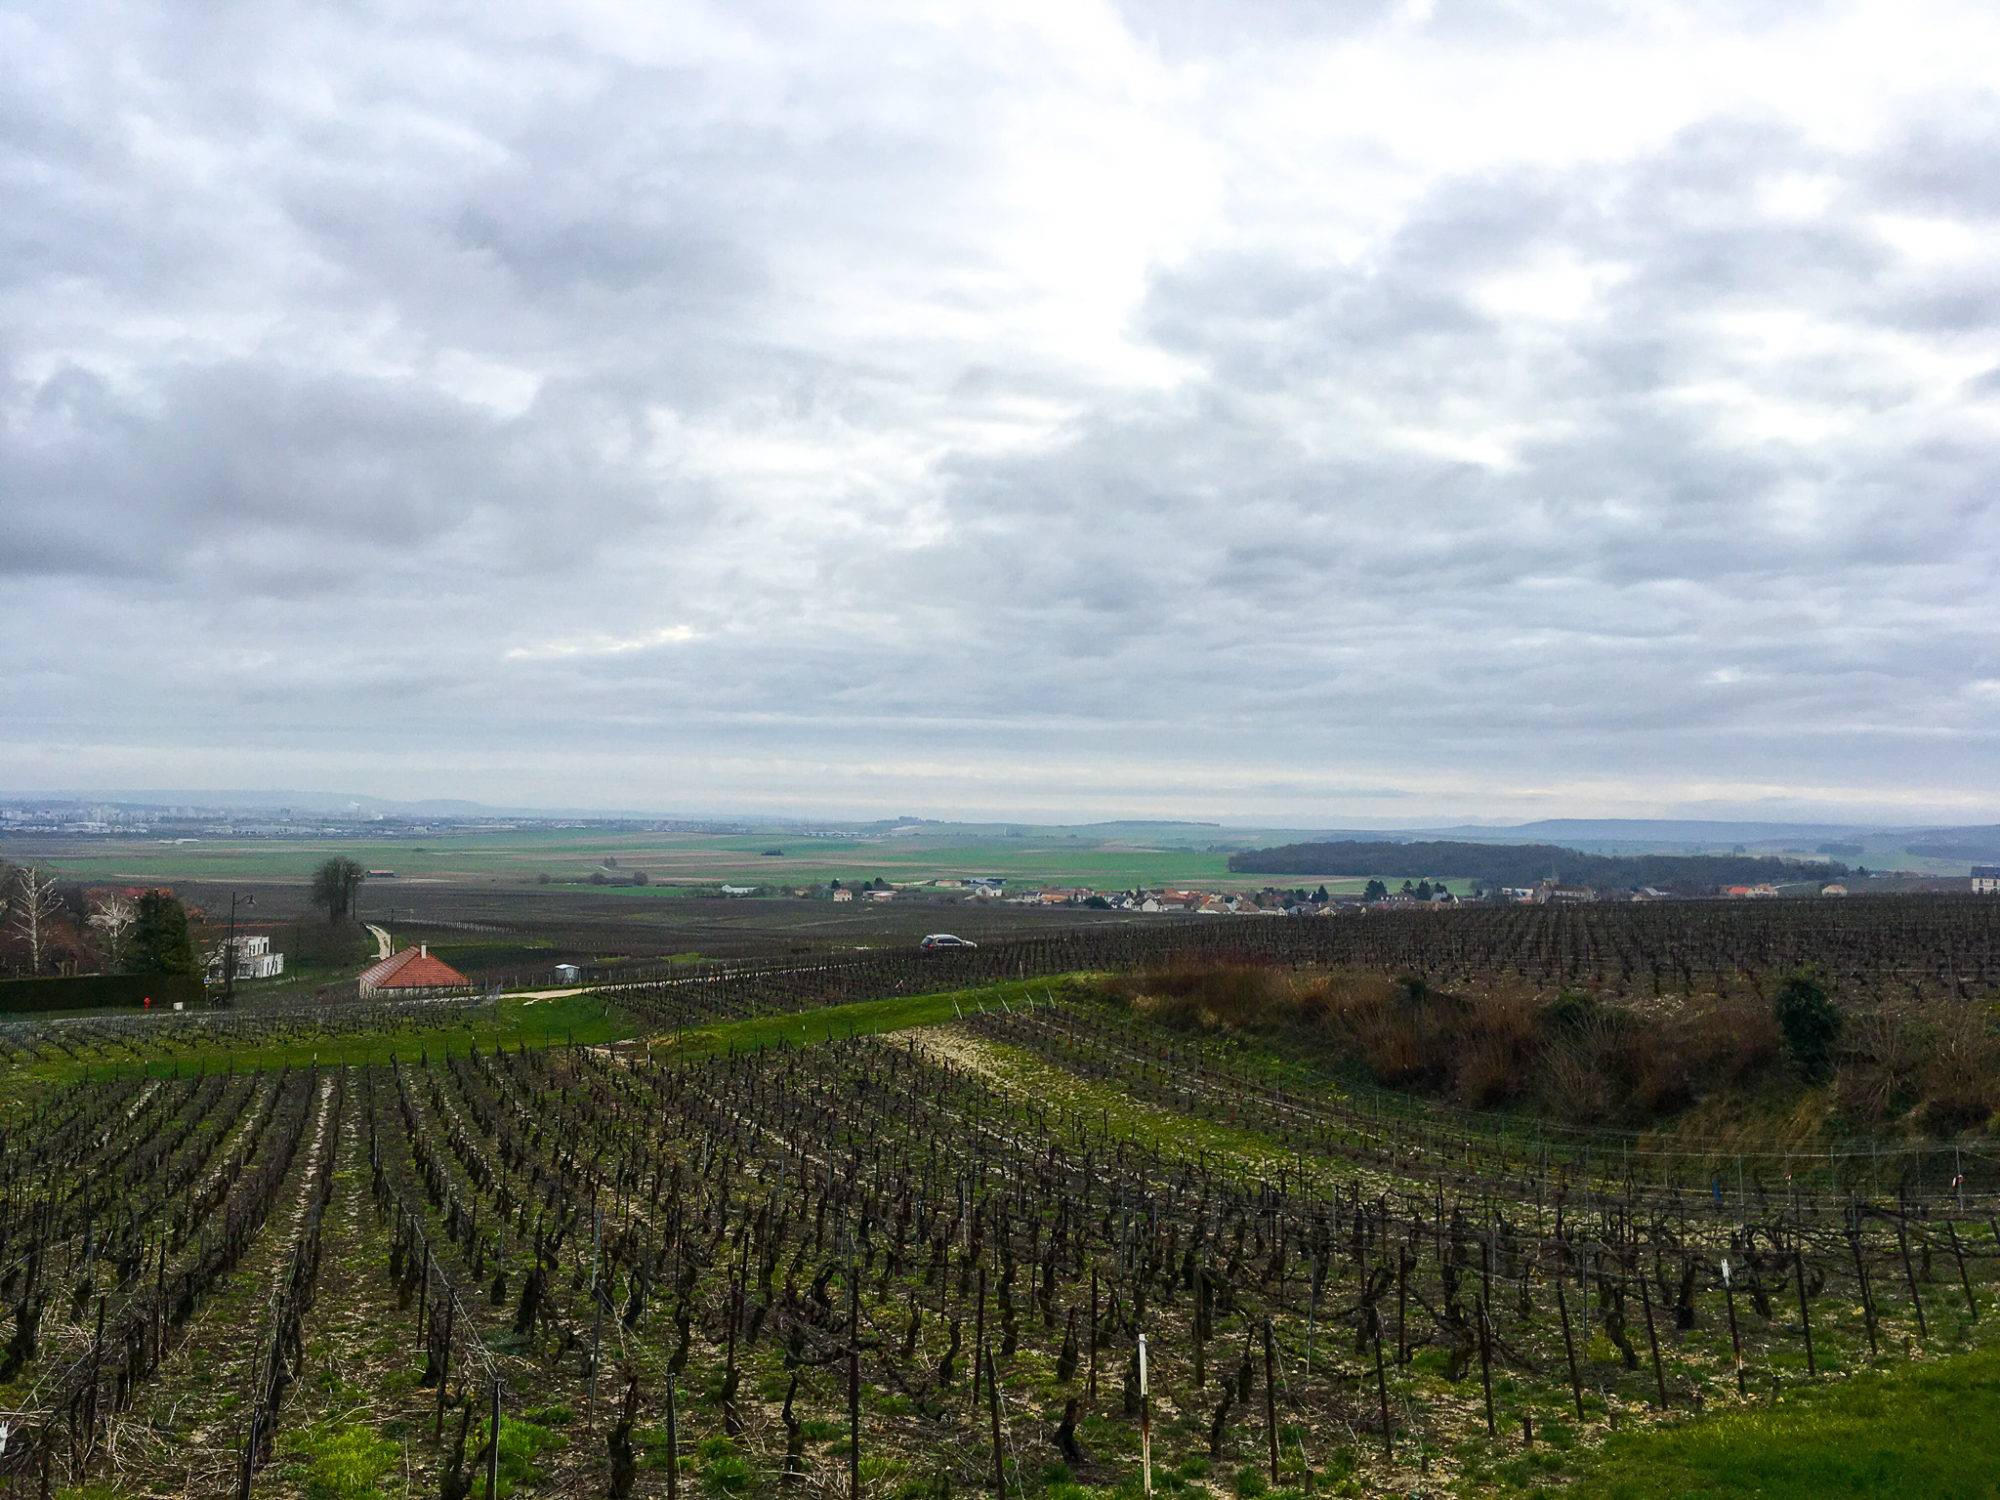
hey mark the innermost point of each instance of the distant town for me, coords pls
(1273, 901)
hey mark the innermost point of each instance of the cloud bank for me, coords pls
(1343, 413)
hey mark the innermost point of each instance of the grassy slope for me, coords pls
(1923, 1430)
(533, 1023)
(587, 1019)
(1930, 1430)
(862, 1018)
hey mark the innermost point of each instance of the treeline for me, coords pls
(1525, 864)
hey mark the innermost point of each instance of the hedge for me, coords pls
(99, 992)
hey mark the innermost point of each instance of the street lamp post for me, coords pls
(229, 949)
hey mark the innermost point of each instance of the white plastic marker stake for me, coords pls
(1145, 1423)
(1735, 1339)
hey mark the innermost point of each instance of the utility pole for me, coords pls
(229, 949)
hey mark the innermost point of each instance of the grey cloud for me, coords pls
(677, 408)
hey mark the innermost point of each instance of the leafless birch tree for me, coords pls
(112, 914)
(31, 910)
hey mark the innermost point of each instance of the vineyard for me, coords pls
(1039, 1249)
(1882, 948)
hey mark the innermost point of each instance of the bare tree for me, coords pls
(31, 912)
(334, 886)
(112, 914)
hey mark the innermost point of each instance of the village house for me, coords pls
(1552, 891)
(254, 959)
(411, 972)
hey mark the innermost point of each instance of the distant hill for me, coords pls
(1524, 864)
(1976, 844)
(1690, 834)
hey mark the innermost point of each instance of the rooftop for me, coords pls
(411, 969)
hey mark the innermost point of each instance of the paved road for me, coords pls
(381, 941)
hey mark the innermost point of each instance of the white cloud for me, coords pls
(601, 645)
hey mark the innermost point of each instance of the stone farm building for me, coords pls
(411, 972)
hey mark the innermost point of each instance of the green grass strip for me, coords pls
(1926, 1430)
(585, 1019)
(861, 1018)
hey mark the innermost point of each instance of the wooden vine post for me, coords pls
(1569, 1348)
(993, 1412)
(1861, 1276)
(1382, 1388)
(493, 1446)
(1910, 1275)
(853, 1385)
(1092, 1387)
(1958, 1253)
(673, 1443)
(1805, 1312)
(1653, 1337)
(1145, 1424)
(1271, 1396)
(1486, 1367)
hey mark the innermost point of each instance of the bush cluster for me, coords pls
(1589, 1060)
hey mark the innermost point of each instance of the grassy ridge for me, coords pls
(1930, 1430)
(586, 1018)
(862, 1018)
(583, 1018)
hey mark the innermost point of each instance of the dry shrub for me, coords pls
(1218, 997)
(1582, 1058)
(1404, 1032)
(1495, 1059)
(1719, 1043)
(1572, 1084)
(1487, 1072)
(1881, 1071)
(1960, 1077)
(1725, 1042)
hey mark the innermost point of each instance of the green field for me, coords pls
(863, 1018)
(586, 1019)
(1929, 1430)
(672, 862)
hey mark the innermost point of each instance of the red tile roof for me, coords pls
(412, 969)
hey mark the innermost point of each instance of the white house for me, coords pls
(254, 959)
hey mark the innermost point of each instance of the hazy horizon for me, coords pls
(307, 804)
(1382, 415)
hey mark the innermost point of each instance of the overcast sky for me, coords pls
(1335, 412)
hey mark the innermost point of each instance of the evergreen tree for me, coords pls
(160, 943)
(1811, 1025)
